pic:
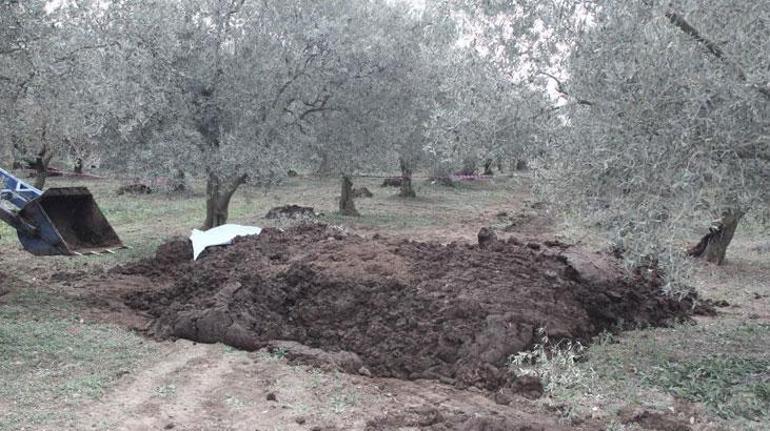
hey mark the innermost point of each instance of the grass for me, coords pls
(723, 367)
(51, 362)
(729, 386)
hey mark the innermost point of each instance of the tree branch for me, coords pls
(563, 90)
(71, 55)
(315, 106)
(679, 21)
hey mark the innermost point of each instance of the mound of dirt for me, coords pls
(407, 309)
(291, 212)
(168, 258)
(392, 182)
(362, 192)
(134, 189)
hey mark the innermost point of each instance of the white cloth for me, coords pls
(221, 235)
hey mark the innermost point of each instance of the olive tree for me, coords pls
(227, 87)
(672, 122)
(47, 93)
(484, 115)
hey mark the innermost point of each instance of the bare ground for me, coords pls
(207, 387)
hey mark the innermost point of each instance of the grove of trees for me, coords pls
(649, 119)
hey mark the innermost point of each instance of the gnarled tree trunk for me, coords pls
(347, 203)
(488, 167)
(713, 246)
(407, 191)
(218, 196)
(325, 168)
(178, 182)
(42, 161)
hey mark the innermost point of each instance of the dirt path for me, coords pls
(209, 387)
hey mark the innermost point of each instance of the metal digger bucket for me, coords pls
(67, 221)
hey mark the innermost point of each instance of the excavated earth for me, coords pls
(396, 308)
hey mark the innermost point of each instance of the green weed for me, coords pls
(51, 362)
(728, 385)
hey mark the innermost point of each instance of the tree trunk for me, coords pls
(324, 167)
(179, 182)
(488, 167)
(469, 166)
(78, 168)
(407, 191)
(713, 246)
(347, 204)
(8, 157)
(42, 161)
(218, 196)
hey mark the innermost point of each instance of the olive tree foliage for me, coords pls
(662, 112)
(229, 89)
(49, 103)
(379, 116)
(352, 136)
(484, 116)
(20, 28)
(674, 127)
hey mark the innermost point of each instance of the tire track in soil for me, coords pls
(175, 390)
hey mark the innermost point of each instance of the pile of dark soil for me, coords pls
(291, 212)
(362, 192)
(134, 189)
(392, 182)
(408, 309)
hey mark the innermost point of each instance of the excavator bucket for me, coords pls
(66, 221)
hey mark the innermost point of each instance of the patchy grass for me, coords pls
(51, 362)
(729, 386)
(723, 367)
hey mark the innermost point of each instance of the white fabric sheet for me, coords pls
(221, 235)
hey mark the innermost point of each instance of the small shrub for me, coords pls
(555, 364)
